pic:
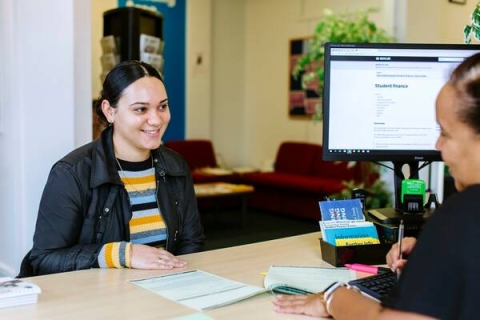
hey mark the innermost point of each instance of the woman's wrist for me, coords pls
(128, 255)
(329, 295)
(328, 304)
(324, 303)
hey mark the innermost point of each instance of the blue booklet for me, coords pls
(343, 223)
(341, 210)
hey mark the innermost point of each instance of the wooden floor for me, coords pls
(225, 229)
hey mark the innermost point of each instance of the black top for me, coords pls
(442, 275)
(84, 205)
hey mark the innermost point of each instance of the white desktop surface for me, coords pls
(107, 294)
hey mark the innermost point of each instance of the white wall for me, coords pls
(453, 19)
(199, 70)
(250, 74)
(45, 66)
(82, 77)
(229, 95)
(436, 21)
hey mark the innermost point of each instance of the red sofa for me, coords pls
(300, 179)
(199, 154)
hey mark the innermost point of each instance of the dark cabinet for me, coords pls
(127, 24)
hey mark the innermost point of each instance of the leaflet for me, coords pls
(198, 289)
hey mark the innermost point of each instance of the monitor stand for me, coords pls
(394, 215)
(386, 215)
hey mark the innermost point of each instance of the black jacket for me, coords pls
(84, 205)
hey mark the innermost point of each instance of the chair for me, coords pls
(199, 155)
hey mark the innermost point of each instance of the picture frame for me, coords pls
(458, 1)
(302, 102)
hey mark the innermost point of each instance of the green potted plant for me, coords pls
(378, 195)
(343, 27)
(473, 30)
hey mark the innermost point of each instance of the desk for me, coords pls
(106, 293)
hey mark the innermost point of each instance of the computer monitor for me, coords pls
(379, 102)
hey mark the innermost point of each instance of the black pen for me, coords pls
(401, 229)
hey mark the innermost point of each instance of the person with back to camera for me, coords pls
(441, 278)
(123, 200)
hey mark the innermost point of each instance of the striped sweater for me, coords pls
(147, 225)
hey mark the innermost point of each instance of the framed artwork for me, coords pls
(458, 1)
(302, 103)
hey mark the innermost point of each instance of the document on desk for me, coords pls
(303, 280)
(198, 289)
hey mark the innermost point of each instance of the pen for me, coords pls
(401, 229)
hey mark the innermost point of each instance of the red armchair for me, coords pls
(199, 155)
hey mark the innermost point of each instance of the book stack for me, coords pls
(14, 292)
(343, 224)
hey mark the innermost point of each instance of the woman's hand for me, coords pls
(146, 257)
(393, 260)
(310, 304)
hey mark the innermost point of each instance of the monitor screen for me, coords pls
(379, 99)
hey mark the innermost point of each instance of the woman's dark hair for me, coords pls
(465, 80)
(121, 76)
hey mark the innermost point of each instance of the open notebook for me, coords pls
(303, 280)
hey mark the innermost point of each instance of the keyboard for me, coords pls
(376, 286)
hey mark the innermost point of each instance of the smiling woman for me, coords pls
(433, 260)
(140, 118)
(122, 200)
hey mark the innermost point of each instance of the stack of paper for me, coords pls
(14, 292)
(110, 54)
(151, 51)
(343, 224)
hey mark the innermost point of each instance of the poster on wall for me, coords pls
(302, 102)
